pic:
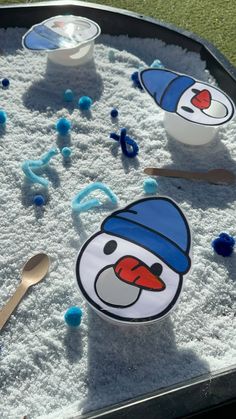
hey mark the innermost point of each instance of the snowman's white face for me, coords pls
(204, 104)
(124, 280)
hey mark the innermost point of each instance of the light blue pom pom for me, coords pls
(63, 126)
(150, 185)
(73, 316)
(3, 117)
(111, 55)
(68, 95)
(66, 152)
(85, 103)
(157, 64)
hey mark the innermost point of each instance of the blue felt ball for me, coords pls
(63, 126)
(224, 244)
(73, 316)
(39, 200)
(66, 152)
(85, 103)
(68, 95)
(3, 117)
(150, 185)
(114, 113)
(111, 55)
(135, 79)
(5, 82)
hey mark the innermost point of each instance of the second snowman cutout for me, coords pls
(191, 99)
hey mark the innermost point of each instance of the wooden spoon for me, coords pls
(217, 176)
(33, 271)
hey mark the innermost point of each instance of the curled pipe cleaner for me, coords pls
(126, 143)
(28, 165)
(79, 206)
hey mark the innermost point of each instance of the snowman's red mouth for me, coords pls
(134, 272)
(202, 100)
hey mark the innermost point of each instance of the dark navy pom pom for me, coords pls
(114, 113)
(224, 244)
(135, 79)
(39, 200)
(5, 82)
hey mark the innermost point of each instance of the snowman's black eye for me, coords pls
(196, 91)
(110, 247)
(156, 269)
(187, 109)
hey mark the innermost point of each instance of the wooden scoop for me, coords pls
(33, 271)
(216, 176)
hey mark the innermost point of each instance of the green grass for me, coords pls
(213, 20)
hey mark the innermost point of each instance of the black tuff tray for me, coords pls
(199, 396)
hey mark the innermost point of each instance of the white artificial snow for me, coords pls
(44, 366)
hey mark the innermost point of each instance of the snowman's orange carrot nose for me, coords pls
(202, 100)
(134, 272)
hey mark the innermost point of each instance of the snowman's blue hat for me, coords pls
(165, 86)
(156, 224)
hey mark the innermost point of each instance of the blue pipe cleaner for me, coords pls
(79, 206)
(224, 244)
(28, 165)
(126, 143)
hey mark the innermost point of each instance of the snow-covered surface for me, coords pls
(44, 366)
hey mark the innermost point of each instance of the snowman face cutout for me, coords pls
(126, 281)
(205, 104)
(193, 100)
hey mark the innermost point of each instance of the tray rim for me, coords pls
(204, 383)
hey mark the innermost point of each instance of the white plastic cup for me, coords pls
(73, 57)
(187, 132)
